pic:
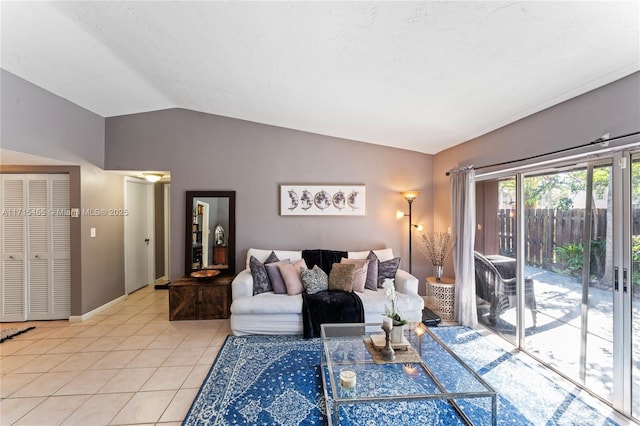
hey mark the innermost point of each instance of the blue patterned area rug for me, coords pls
(276, 380)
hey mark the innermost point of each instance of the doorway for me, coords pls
(139, 250)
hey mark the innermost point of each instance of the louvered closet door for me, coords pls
(60, 247)
(48, 247)
(12, 235)
(36, 261)
(38, 245)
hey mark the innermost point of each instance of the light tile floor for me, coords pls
(126, 365)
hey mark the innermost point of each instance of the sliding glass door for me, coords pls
(495, 255)
(569, 259)
(570, 295)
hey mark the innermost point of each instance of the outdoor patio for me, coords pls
(555, 336)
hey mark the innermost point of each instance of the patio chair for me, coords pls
(498, 291)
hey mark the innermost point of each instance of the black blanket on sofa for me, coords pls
(329, 307)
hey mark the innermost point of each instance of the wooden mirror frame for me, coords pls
(231, 232)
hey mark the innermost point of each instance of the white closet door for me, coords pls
(61, 247)
(38, 247)
(12, 235)
(36, 257)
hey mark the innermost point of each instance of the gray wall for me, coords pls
(613, 109)
(208, 152)
(40, 123)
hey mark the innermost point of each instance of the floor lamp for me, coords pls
(410, 196)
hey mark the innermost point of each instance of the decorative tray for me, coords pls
(378, 341)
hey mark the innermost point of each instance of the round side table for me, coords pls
(442, 294)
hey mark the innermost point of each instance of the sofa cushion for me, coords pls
(360, 274)
(382, 254)
(341, 276)
(268, 303)
(262, 255)
(291, 276)
(277, 283)
(374, 303)
(314, 280)
(261, 283)
(387, 269)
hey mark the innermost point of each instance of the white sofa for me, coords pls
(270, 313)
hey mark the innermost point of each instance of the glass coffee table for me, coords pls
(425, 369)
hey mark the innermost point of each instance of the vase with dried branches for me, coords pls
(437, 247)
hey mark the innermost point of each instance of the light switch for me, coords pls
(93, 232)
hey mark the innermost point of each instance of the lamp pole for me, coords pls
(410, 200)
(409, 196)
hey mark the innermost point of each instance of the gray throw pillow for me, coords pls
(387, 269)
(261, 283)
(314, 280)
(372, 272)
(277, 283)
(341, 276)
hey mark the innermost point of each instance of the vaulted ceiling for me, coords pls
(422, 76)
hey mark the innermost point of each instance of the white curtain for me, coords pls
(463, 224)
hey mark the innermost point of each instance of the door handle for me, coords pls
(624, 280)
(615, 278)
(146, 240)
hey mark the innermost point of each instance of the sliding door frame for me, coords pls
(623, 291)
(621, 165)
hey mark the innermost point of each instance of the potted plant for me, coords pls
(391, 311)
(437, 247)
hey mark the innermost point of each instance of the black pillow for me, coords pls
(387, 269)
(261, 282)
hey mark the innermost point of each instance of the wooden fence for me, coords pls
(547, 228)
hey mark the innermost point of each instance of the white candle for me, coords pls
(347, 378)
(387, 323)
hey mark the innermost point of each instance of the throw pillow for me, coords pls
(314, 280)
(387, 269)
(277, 283)
(360, 274)
(372, 272)
(261, 283)
(291, 276)
(341, 276)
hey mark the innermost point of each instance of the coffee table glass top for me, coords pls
(430, 371)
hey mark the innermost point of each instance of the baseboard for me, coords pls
(80, 318)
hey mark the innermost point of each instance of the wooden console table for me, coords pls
(200, 299)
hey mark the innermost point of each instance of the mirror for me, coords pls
(210, 231)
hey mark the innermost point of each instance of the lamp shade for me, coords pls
(410, 195)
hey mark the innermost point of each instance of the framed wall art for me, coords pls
(323, 200)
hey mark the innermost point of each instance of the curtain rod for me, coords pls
(533, 157)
